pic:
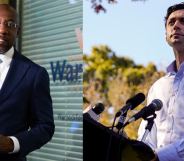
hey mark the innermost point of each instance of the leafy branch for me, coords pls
(97, 5)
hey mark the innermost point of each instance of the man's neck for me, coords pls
(179, 56)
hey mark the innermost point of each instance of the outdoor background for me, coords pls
(125, 52)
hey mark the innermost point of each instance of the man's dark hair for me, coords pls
(173, 8)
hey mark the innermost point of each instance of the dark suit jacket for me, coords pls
(26, 107)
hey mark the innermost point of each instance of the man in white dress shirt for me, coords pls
(167, 134)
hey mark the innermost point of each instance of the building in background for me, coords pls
(51, 36)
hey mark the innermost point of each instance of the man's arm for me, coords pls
(174, 151)
(40, 116)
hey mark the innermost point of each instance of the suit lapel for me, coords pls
(18, 68)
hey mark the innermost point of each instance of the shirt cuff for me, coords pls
(16, 145)
(167, 153)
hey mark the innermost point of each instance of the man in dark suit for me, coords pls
(26, 115)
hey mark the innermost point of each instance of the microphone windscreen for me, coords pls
(157, 104)
(98, 108)
(136, 100)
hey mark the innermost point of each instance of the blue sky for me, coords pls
(130, 28)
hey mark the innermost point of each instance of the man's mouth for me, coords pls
(3, 41)
(177, 34)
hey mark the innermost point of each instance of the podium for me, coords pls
(102, 144)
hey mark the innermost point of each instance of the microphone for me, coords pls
(130, 104)
(94, 112)
(147, 111)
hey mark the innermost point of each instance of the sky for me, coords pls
(131, 28)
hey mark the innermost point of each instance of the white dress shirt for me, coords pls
(167, 134)
(5, 60)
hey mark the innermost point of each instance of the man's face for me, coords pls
(175, 29)
(8, 30)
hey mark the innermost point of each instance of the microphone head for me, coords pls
(157, 104)
(98, 108)
(136, 100)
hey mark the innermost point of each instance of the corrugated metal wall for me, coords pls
(49, 39)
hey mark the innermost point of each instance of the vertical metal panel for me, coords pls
(49, 39)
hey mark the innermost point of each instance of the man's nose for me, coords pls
(3, 29)
(177, 24)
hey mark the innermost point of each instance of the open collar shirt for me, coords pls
(167, 134)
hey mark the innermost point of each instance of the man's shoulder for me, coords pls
(161, 80)
(162, 84)
(28, 61)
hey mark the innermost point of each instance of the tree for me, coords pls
(113, 79)
(99, 64)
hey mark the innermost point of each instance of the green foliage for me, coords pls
(99, 64)
(112, 80)
(102, 63)
(134, 76)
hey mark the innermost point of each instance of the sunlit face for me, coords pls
(175, 29)
(8, 28)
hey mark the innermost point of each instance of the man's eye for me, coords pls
(182, 21)
(10, 24)
(171, 22)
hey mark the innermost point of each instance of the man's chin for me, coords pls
(3, 50)
(176, 41)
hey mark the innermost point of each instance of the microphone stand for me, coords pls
(123, 117)
(112, 129)
(148, 126)
(113, 124)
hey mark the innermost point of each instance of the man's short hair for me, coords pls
(173, 8)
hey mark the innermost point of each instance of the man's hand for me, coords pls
(6, 144)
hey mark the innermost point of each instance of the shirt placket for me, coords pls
(170, 125)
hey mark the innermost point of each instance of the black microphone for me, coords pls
(147, 111)
(95, 111)
(130, 104)
(98, 108)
